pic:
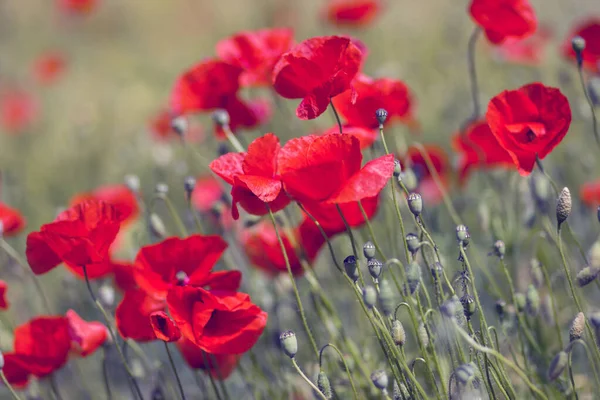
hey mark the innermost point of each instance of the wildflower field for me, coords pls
(321, 199)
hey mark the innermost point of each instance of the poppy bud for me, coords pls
(520, 302)
(375, 266)
(499, 249)
(587, 276)
(423, 335)
(161, 188)
(400, 392)
(132, 182)
(369, 296)
(289, 343)
(397, 168)
(380, 379)
(398, 333)
(465, 373)
(558, 365)
(351, 267)
(412, 241)
(387, 299)
(409, 179)
(532, 300)
(563, 206)
(106, 295)
(577, 327)
(469, 306)
(578, 44)
(415, 204)
(157, 227)
(189, 184)
(413, 276)
(221, 118)
(500, 308)
(381, 115)
(537, 275)
(369, 250)
(437, 270)
(323, 385)
(180, 125)
(462, 233)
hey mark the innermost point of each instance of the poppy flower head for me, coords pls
(590, 31)
(315, 71)
(352, 13)
(18, 110)
(529, 122)
(86, 337)
(132, 315)
(256, 52)
(119, 196)
(11, 220)
(427, 187)
(502, 19)
(49, 67)
(164, 327)
(220, 366)
(479, 148)
(3, 301)
(219, 322)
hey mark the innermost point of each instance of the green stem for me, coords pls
(589, 356)
(371, 232)
(14, 394)
(345, 366)
(312, 385)
(174, 371)
(352, 242)
(172, 211)
(590, 104)
(105, 375)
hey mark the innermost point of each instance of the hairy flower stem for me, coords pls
(312, 385)
(14, 394)
(590, 103)
(293, 281)
(473, 71)
(174, 371)
(109, 327)
(355, 393)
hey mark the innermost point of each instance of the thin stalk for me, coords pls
(589, 356)
(473, 71)
(482, 320)
(54, 387)
(570, 368)
(14, 394)
(352, 241)
(212, 381)
(174, 370)
(590, 103)
(194, 212)
(232, 139)
(345, 366)
(371, 232)
(312, 385)
(172, 211)
(337, 117)
(105, 375)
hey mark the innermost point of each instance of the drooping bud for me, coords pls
(289, 343)
(413, 276)
(532, 300)
(558, 365)
(578, 45)
(469, 306)
(369, 296)
(323, 385)
(423, 335)
(577, 327)
(499, 249)
(587, 276)
(563, 206)
(520, 302)
(369, 250)
(387, 299)
(375, 267)
(221, 118)
(413, 244)
(381, 114)
(189, 184)
(398, 333)
(397, 168)
(415, 204)
(409, 179)
(351, 267)
(380, 379)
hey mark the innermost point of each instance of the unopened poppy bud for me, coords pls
(323, 385)
(182, 278)
(537, 275)
(563, 206)
(375, 266)
(189, 184)
(423, 335)
(412, 241)
(289, 343)
(398, 333)
(386, 297)
(157, 227)
(400, 391)
(465, 373)
(415, 204)
(351, 267)
(586, 276)
(369, 296)
(500, 308)
(413, 276)
(578, 45)
(520, 302)
(380, 379)
(161, 188)
(437, 270)
(106, 295)
(132, 182)
(381, 114)
(369, 250)
(558, 365)
(469, 306)
(397, 168)
(577, 327)
(409, 179)
(499, 249)
(221, 118)
(462, 233)
(532, 300)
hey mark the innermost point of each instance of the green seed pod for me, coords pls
(369, 296)
(221, 118)
(387, 297)
(465, 373)
(578, 45)
(380, 379)
(375, 267)
(577, 327)
(400, 392)
(537, 274)
(563, 206)
(459, 314)
(289, 343)
(586, 276)
(415, 204)
(413, 276)
(409, 179)
(499, 249)
(381, 115)
(351, 267)
(423, 335)
(532, 300)
(462, 233)
(469, 306)
(324, 386)
(157, 227)
(520, 302)
(369, 250)
(397, 168)
(412, 241)
(398, 333)
(558, 365)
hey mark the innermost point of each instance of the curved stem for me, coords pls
(473, 71)
(570, 368)
(590, 104)
(14, 394)
(337, 117)
(312, 385)
(174, 370)
(589, 355)
(105, 375)
(345, 366)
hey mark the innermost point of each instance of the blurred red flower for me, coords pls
(315, 71)
(18, 110)
(253, 177)
(256, 52)
(219, 322)
(427, 186)
(164, 327)
(207, 192)
(77, 6)
(529, 122)
(355, 13)
(123, 274)
(328, 168)
(157, 266)
(365, 136)
(132, 315)
(11, 220)
(372, 94)
(86, 337)
(479, 148)
(220, 366)
(589, 30)
(3, 301)
(330, 220)
(528, 51)
(119, 196)
(79, 236)
(49, 67)
(590, 193)
(503, 19)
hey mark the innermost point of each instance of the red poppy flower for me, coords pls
(18, 110)
(3, 301)
(119, 196)
(48, 68)
(162, 130)
(365, 136)
(220, 366)
(256, 52)
(157, 265)
(590, 193)
(330, 220)
(427, 186)
(357, 13)
(78, 6)
(253, 177)
(164, 327)
(529, 51)
(479, 148)
(11, 220)
(328, 168)
(529, 121)
(590, 32)
(219, 322)
(372, 94)
(315, 71)
(132, 315)
(207, 192)
(86, 337)
(502, 19)
(79, 236)
(124, 275)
